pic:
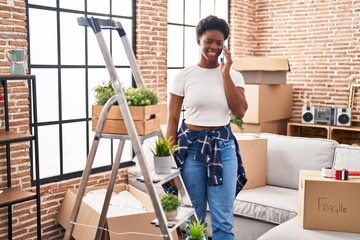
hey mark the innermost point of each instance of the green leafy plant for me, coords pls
(170, 202)
(103, 93)
(134, 96)
(164, 147)
(140, 96)
(237, 121)
(197, 230)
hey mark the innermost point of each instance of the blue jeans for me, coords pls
(220, 198)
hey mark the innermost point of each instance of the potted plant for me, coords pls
(170, 204)
(238, 122)
(196, 230)
(163, 151)
(142, 103)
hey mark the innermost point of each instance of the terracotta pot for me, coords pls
(171, 215)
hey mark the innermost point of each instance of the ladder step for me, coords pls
(127, 137)
(184, 213)
(161, 178)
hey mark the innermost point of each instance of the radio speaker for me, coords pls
(343, 117)
(308, 114)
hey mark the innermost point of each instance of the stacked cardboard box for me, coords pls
(268, 95)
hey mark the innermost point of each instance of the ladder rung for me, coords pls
(184, 213)
(127, 137)
(161, 178)
(99, 23)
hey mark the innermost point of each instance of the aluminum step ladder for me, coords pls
(187, 211)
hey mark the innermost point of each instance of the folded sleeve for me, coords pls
(237, 78)
(178, 85)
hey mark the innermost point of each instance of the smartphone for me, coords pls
(222, 57)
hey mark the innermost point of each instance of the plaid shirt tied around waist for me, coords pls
(208, 151)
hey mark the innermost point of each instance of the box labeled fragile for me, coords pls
(253, 151)
(268, 102)
(262, 70)
(135, 226)
(146, 119)
(329, 204)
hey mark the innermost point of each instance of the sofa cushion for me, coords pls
(347, 157)
(269, 204)
(288, 155)
(293, 230)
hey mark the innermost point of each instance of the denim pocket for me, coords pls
(227, 151)
(224, 144)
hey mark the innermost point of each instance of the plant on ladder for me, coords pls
(170, 204)
(163, 150)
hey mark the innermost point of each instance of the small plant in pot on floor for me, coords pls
(163, 151)
(170, 204)
(196, 230)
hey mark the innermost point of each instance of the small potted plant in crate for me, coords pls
(170, 204)
(196, 230)
(163, 151)
(143, 107)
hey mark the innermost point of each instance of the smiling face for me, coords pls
(211, 43)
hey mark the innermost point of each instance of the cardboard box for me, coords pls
(329, 204)
(268, 102)
(253, 151)
(140, 222)
(262, 70)
(276, 127)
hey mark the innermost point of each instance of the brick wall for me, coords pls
(320, 39)
(242, 28)
(151, 44)
(13, 30)
(13, 35)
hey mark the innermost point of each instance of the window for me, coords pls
(68, 64)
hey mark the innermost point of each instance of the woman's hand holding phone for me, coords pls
(226, 60)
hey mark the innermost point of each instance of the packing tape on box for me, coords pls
(342, 174)
(327, 172)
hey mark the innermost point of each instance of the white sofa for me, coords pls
(269, 212)
(275, 205)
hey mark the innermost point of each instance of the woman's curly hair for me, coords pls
(212, 23)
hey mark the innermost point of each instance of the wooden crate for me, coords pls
(346, 135)
(146, 119)
(308, 130)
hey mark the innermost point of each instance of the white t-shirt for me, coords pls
(205, 102)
